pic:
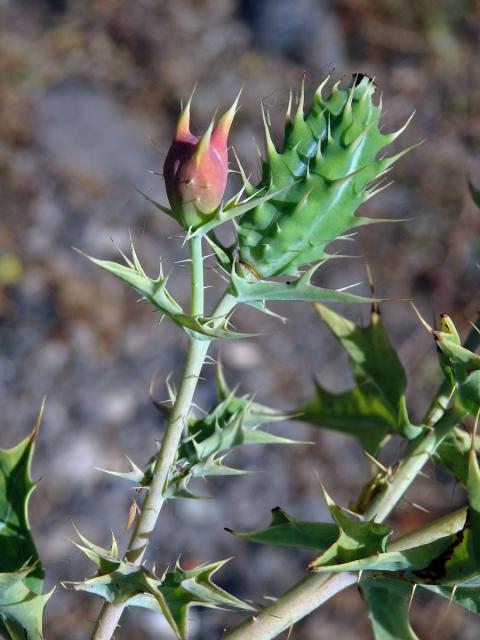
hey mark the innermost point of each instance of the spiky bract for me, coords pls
(327, 168)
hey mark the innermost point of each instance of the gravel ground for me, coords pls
(89, 93)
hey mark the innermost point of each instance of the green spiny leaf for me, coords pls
(376, 405)
(452, 560)
(21, 573)
(327, 168)
(153, 289)
(172, 594)
(358, 412)
(388, 604)
(453, 454)
(248, 290)
(370, 352)
(287, 531)
(357, 539)
(234, 422)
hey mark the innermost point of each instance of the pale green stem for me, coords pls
(447, 525)
(315, 589)
(155, 496)
(198, 297)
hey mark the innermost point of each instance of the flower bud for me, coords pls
(196, 169)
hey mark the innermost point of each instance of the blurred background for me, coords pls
(89, 94)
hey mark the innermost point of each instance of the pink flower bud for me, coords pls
(196, 169)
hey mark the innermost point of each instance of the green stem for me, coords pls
(155, 496)
(196, 257)
(417, 455)
(315, 589)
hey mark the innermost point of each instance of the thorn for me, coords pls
(452, 595)
(271, 150)
(452, 393)
(423, 322)
(289, 106)
(259, 152)
(204, 142)
(329, 130)
(474, 326)
(318, 92)
(247, 185)
(414, 587)
(393, 136)
(132, 512)
(424, 475)
(117, 248)
(186, 237)
(301, 101)
(376, 462)
(375, 307)
(419, 507)
(220, 135)
(349, 286)
(380, 187)
(183, 124)
(158, 404)
(38, 421)
(198, 407)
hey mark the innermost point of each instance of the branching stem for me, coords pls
(315, 589)
(155, 497)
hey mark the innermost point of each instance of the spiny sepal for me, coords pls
(328, 167)
(228, 211)
(171, 594)
(376, 404)
(21, 574)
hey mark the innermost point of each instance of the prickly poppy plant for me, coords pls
(333, 158)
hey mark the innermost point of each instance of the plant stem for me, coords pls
(417, 455)
(196, 257)
(307, 595)
(315, 589)
(155, 496)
